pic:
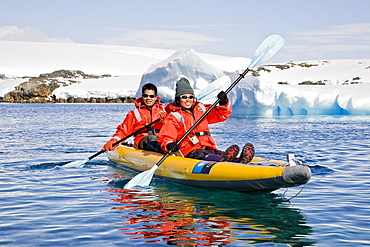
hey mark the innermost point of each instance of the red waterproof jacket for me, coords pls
(138, 118)
(179, 120)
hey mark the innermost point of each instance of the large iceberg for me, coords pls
(317, 88)
(183, 63)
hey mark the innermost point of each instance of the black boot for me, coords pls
(247, 153)
(230, 153)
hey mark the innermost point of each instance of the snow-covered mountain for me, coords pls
(292, 88)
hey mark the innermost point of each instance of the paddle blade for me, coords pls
(210, 92)
(142, 179)
(78, 163)
(266, 50)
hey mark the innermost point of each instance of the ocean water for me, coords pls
(44, 203)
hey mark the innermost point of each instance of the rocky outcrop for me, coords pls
(38, 89)
(93, 100)
(32, 91)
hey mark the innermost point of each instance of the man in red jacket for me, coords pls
(148, 109)
(199, 144)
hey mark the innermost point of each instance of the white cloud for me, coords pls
(331, 41)
(161, 39)
(350, 34)
(13, 33)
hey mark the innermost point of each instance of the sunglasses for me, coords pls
(149, 95)
(187, 97)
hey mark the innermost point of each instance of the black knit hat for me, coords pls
(183, 87)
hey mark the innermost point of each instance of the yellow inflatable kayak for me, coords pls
(259, 174)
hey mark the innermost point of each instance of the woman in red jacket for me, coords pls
(199, 144)
(148, 109)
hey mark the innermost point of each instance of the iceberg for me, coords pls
(183, 63)
(263, 95)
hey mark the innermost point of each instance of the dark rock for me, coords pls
(39, 89)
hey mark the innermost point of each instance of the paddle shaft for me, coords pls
(241, 76)
(126, 137)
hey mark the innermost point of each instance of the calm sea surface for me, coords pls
(46, 204)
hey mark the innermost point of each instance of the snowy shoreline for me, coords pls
(292, 88)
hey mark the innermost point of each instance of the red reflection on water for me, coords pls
(177, 222)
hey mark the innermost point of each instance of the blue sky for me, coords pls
(315, 29)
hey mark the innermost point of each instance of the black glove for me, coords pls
(223, 98)
(172, 146)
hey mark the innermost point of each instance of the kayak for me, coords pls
(258, 175)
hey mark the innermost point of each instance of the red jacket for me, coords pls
(138, 118)
(179, 120)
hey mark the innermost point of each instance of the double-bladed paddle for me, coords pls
(264, 52)
(81, 163)
(207, 93)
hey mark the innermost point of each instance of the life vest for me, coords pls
(138, 118)
(180, 120)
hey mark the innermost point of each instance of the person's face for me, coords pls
(186, 100)
(149, 97)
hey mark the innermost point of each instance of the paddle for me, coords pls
(81, 163)
(212, 89)
(207, 93)
(265, 51)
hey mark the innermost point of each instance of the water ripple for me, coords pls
(44, 203)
